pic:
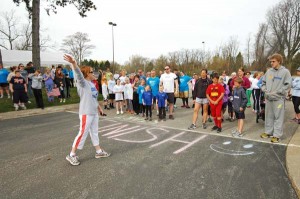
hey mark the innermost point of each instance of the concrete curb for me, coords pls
(293, 161)
(37, 111)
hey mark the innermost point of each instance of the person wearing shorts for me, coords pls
(239, 104)
(111, 83)
(3, 81)
(225, 98)
(170, 82)
(200, 99)
(184, 89)
(18, 88)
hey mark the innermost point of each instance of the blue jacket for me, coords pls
(161, 99)
(147, 98)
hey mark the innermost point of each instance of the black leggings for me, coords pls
(162, 112)
(148, 110)
(256, 99)
(296, 102)
(185, 101)
(135, 103)
(142, 108)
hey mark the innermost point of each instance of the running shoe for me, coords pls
(102, 154)
(182, 106)
(171, 117)
(193, 126)
(204, 126)
(187, 106)
(146, 118)
(118, 112)
(219, 130)
(121, 112)
(264, 135)
(150, 119)
(74, 160)
(237, 134)
(275, 140)
(214, 128)
(209, 119)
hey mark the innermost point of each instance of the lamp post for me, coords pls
(112, 29)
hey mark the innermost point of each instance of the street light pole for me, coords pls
(113, 43)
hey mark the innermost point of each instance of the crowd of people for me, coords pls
(22, 83)
(214, 94)
(141, 94)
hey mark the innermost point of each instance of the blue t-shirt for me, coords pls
(153, 82)
(3, 75)
(143, 77)
(183, 86)
(147, 97)
(71, 74)
(140, 91)
(161, 99)
(65, 72)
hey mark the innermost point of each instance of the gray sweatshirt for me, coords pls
(88, 94)
(239, 99)
(36, 81)
(276, 83)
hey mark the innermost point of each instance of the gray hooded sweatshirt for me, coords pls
(276, 83)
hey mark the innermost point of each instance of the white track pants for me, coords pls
(88, 124)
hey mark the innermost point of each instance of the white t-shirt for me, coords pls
(104, 91)
(122, 79)
(168, 81)
(128, 91)
(118, 95)
(111, 84)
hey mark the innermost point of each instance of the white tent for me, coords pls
(15, 57)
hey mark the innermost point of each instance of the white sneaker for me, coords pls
(29, 102)
(73, 160)
(102, 154)
(16, 108)
(1, 96)
(118, 112)
(121, 112)
(60, 101)
(64, 100)
(8, 97)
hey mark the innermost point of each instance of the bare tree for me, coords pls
(248, 49)
(9, 32)
(284, 23)
(78, 46)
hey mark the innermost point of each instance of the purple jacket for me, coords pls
(226, 94)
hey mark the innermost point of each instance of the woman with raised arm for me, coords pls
(88, 111)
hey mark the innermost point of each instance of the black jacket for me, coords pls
(200, 87)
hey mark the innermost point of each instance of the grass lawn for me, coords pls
(6, 105)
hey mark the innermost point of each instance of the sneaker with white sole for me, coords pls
(193, 126)
(74, 160)
(102, 154)
(118, 112)
(122, 112)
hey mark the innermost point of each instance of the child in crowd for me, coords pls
(214, 94)
(104, 91)
(128, 95)
(59, 80)
(161, 103)
(140, 92)
(37, 79)
(239, 104)
(118, 90)
(111, 85)
(17, 86)
(296, 96)
(225, 98)
(147, 102)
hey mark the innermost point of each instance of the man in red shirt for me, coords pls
(214, 94)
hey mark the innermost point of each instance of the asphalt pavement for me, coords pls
(149, 159)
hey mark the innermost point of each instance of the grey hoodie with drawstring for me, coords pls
(276, 83)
